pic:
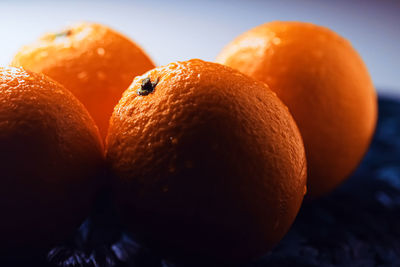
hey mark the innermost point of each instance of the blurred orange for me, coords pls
(325, 84)
(91, 60)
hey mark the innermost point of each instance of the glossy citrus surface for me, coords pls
(92, 61)
(325, 84)
(208, 163)
(51, 156)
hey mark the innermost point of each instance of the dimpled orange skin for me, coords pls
(210, 165)
(51, 158)
(94, 62)
(325, 84)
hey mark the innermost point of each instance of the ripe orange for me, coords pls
(51, 155)
(326, 86)
(208, 163)
(94, 62)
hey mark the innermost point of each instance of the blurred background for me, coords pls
(179, 30)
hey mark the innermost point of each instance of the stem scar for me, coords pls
(147, 86)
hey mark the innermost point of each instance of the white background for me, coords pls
(179, 30)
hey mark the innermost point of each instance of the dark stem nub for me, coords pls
(147, 86)
(63, 34)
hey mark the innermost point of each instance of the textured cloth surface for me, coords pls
(357, 225)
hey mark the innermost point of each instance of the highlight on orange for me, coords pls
(94, 62)
(208, 163)
(325, 84)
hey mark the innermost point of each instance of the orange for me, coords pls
(208, 163)
(325, 84)
(51, 158)
(94, 62)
